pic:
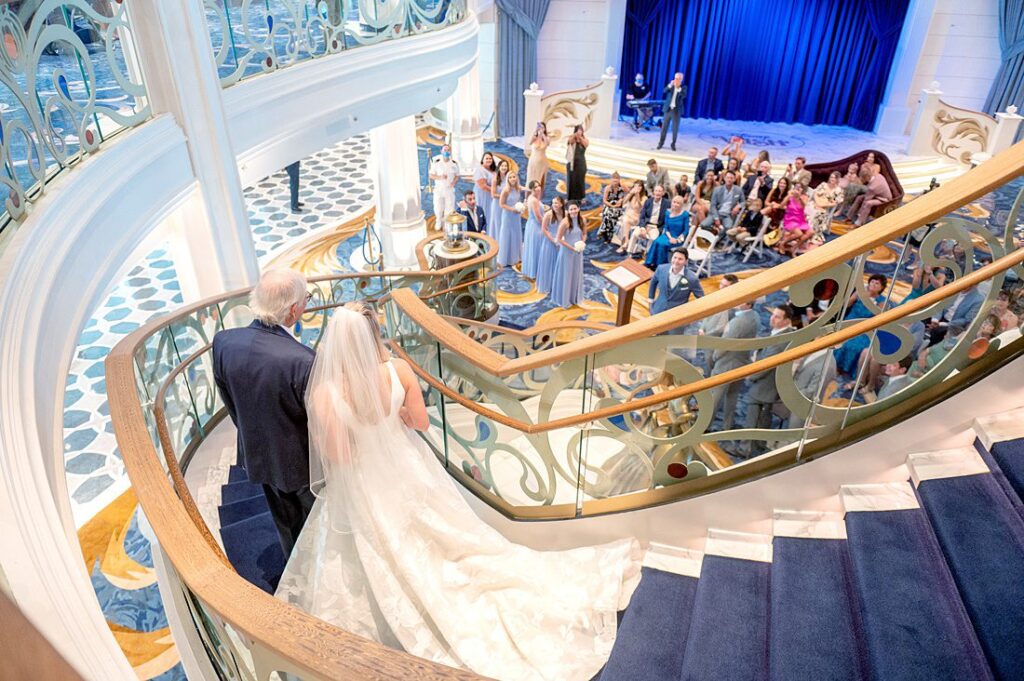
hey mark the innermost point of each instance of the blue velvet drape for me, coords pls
(1008, 87)
(798, 61)
(519, 23)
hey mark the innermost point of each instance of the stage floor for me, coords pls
(627, 151)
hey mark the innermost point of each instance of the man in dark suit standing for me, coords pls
(674, 96)
(762, 393)
(476, 221)
(261, 372)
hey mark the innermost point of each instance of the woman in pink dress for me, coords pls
(795, 230)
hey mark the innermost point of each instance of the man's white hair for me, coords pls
(276, 292)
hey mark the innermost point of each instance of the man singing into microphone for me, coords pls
(674, 95)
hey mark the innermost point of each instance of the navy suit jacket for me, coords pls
(702, 169)
(261, 372)
(663, 296)
(648, 210)
(481, 220)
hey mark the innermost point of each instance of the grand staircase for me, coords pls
(920, 580)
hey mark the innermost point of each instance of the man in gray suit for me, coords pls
(808, 377)
(762, 394)
(743, 325)
(726, 204)
(714, 325)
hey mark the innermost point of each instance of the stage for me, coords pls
(627, 151)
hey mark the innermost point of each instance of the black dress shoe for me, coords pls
(673, 147)
(658, 147)
(297, 209)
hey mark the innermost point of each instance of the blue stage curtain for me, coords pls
(1008, 87)
(797, 61)
(519, 23)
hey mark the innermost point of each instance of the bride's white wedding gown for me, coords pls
(412, 566)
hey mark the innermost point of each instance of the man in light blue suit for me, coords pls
(673, 285)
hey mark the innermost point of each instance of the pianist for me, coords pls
(637, 95)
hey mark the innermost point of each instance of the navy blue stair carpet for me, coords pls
(982, 538)
(815, 625)
(915, 625)
(1000, 477)
(1009, 456)
(728, 636)
(236, 491)
(652, 635)
(248, 533)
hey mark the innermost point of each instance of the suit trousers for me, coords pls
(289, 511)
(731, 393)
(671, 117)
(293, 183)
(759, 415)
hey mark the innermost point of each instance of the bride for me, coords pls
(393, 552)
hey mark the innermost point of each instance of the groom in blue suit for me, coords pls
(261, 372)
(673, 285)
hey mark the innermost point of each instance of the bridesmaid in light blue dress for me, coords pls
(533, 237)
(497, 187)
(567, 283)
(482, 180)
(510, 241)
(548, 248)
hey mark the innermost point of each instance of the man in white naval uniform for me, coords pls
(444, 172)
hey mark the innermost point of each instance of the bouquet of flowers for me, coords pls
(519, 207)
(579, 246)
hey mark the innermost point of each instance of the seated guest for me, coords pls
(754, 166)
(748, 225)
(711, 163)
(702, 194)
(632, 205)
(854, 187)
(824, 200)
(869, 162)
(652, 218)
(638, 92)
(762, 393)
(795, 230)
(476, 219)
(759, 184)
(852, 176)
(1001, 309)
(897, 377)
(677, 227)
(734, 151)
(796, 173)
(726, 204)
(656, 176)
(878, 192)
(848, 356)
(959, 315)
(775, 204)
(682, 188)
(925, 280)
(612, 202)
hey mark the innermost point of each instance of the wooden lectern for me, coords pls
(627, 276)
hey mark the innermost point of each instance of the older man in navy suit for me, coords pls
(261, 372)
(673, 285)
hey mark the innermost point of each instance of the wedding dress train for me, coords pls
(394, 553)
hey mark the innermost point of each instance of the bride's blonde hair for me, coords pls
(370, 315)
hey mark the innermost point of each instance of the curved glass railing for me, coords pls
(69, 81)
(163, 399)
(544, 426)
(250, 37)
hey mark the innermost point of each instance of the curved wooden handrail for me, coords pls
(853, 330)
(958, 192)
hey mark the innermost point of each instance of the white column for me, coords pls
(394, 162)
(1007, 125)
(533, 113)
(921, 134)
(607, 105)
(173, 42)
(464, 113)
(894, 114)
(615, 19)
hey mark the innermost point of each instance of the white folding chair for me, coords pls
(757, 243)
(701, 245)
